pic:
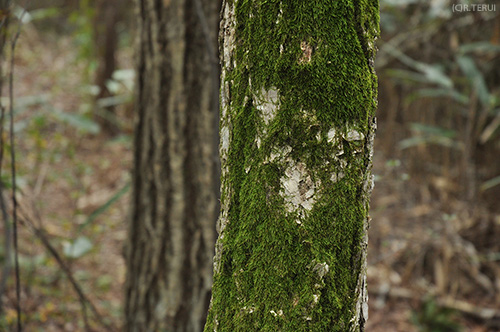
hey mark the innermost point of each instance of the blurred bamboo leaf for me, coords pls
(42, 102)
(104, 282)
(433, 130)
(407, 75)
(77, 248)
(479, 47)
(437, 93)
(426, 134)
(387, 21)
(490, 183)
(432, 73)
(78, 121)
(476, 79)
(113, 101)
(126, 77)
(393, 163)
(22, 14)
(425, 140)
(44, 13)
(100, 210)
(491, 128)
(23, 103)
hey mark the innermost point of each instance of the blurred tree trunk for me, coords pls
(108, 14)
(297, 125)
(174, 201)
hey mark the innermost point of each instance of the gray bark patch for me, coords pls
(298, 188)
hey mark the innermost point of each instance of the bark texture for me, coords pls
(174, 199)
(297, 126)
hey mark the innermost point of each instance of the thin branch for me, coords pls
(7, 231)
(84, 300)
(13, 170)
(8, 240)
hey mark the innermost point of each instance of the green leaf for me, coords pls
(104, 282)
(427, 140)
(77, 248)
(406, 75)
(479, 47)
(491, 128)
(426, 134)
(490, 183)
(457, 96)
(393, 163)
(78, 121)
(435, 74)
(23, 104)
(21, 14)
(126, 77)
(476, 79)
(432, 73)
(113, 101)
(433, 130)
(100, 210)
(45, 13)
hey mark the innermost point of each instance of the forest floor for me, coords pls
(67, 172)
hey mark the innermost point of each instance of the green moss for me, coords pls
(270, 277)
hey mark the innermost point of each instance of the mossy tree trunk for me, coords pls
(297, 126)
(174, 198)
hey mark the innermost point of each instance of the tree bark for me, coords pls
(297, 126)
(174, 199)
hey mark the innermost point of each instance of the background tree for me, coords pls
(172, 228)
(108, 14)
(298, 101)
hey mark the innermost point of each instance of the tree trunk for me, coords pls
(297, 125)
(174, 199)
(108, 14)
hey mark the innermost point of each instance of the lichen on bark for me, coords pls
(297, 124)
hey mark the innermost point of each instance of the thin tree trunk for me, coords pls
(297, 126)
(174, 203)
(108, 14)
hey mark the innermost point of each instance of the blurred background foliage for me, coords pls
(436, 218)
(434, 256)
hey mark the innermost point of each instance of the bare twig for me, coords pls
(13, 170)
(7, 263)
(7, 231)
(84, 300)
